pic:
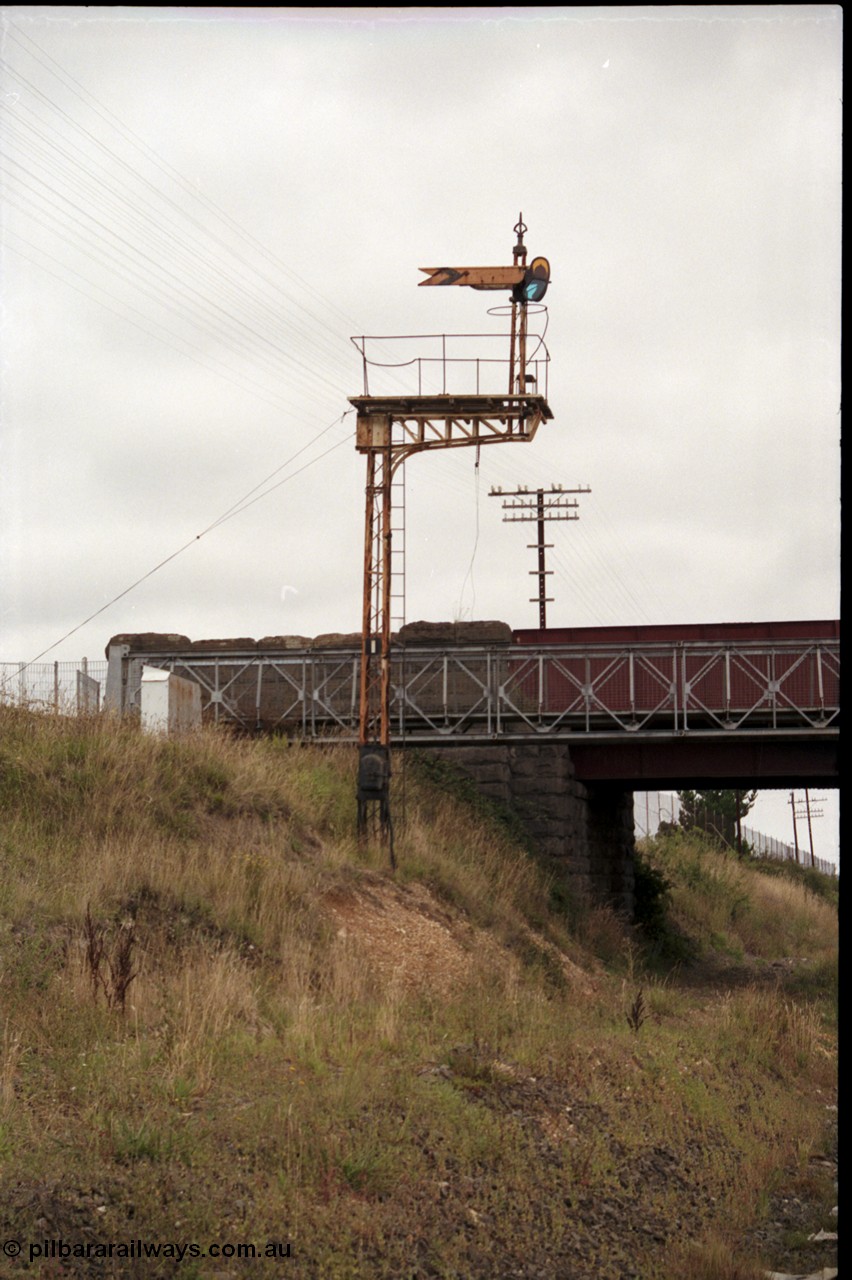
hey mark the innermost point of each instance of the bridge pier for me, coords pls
(586, 829)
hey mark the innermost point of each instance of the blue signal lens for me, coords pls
(534, 290)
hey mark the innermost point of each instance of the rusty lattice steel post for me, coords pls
(388, 429)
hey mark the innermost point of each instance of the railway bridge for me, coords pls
(562, 724)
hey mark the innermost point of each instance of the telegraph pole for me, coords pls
(539, 505)
(792, 803)
(809, 814)
(739, 801)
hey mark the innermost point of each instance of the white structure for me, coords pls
(169, 703)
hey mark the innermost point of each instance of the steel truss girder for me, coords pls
(583, 693)
(517, 693)
(768, 674)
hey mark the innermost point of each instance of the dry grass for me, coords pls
(736, 907)
(431, 1075)
(713, 1259)
(785, 918)
(781, 1034)
(10, 1056)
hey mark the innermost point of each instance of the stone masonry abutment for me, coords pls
(586, 829)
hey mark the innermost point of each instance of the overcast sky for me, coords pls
(201, 206)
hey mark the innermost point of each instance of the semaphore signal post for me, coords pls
(455, 403)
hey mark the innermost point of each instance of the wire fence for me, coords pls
(69, 687)
(653, 809)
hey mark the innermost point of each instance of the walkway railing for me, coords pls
(429, 364)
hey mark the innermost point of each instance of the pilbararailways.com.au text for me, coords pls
(61, 1249)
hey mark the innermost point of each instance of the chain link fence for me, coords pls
(652, 809)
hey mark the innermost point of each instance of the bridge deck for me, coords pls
(596, 695)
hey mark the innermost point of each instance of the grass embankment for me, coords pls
(222, 1023)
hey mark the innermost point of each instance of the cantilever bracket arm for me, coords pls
(412, 424)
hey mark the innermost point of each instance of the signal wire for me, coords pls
(469, 574)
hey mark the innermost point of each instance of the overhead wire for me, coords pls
(638, 565)
(120, 253)
(616, 572)
(76, 88)
(597, 606)
(147, 219)
(610, 595)
(306, 317)
(63, 193)
(133, 248)
(124, 268)
(241, 381)
(209, 312)
(248, 500)
(103, 112)
(614, 569)
(242, 504)
(215, 267)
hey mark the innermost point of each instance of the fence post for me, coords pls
(115, 696)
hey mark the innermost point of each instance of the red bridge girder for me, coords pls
(694, 761)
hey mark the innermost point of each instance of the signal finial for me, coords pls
(520, 249)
